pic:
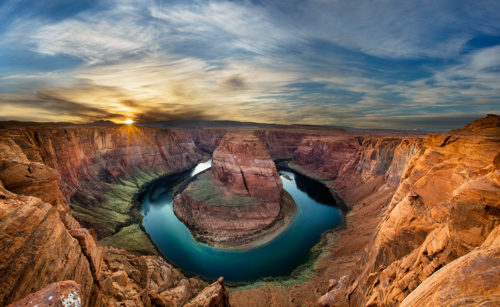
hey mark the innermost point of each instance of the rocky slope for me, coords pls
(98, 170)
(446, 205)
(423, 229)
(240, 199)
(42, 243)
(364, 171)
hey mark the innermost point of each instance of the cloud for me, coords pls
(234, 82)
(354, 63)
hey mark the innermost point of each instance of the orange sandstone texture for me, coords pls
(242, 163)
(59, 294)
(41, 243)
(436, 226)
(248, 192)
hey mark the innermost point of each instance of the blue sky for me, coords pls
(380, 64)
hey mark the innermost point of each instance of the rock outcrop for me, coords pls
(96, 171)
(37, 249)
(59, 294)
(43, 244)
(244, 166)
(471, 280)
(445, 206)
(425, 208)
(241, 200)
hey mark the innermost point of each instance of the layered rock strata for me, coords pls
(357, 168)
(447, 204)
(42, 244)
(39, 249)
(244, 166)
(98, 170)
(425, 207)
(240, 198)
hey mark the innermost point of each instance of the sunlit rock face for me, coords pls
(80, 165)
(436, 243)
(63, 293)
(244, 166)
(445, 207)
(43, 244)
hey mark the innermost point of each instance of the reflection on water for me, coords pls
(278, 257)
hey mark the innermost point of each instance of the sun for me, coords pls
(129, 122)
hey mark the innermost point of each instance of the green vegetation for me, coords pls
(117, 217)
(132, 239)
(303, 272)
(207, 190)
(286, 176)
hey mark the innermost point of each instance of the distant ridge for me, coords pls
(101, 123)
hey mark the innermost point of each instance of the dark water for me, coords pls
(278, 257)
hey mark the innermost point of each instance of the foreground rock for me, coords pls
(34, 235)
(472, 280)
(59, 294)
(447, 204)
(43, 244)
(241, 202)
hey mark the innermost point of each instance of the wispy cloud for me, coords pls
(354, 63)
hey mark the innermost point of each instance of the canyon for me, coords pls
(422, 213)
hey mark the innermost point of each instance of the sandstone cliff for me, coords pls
(245, 167)
(446, 205)
(425, 207)
(240, 200)
(97, 171)
(42, 243)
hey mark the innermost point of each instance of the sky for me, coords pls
(367, 64)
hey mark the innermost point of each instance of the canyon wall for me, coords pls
(81, 154)
(447, 204)
(355, 166)
(98, 171)
(364, 170)
(41, 241)
(423, 230)
(436, 241)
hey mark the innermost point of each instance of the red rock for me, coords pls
(472, 280)
(242, 163)
(445, 206)
(240, 198)
(59, 294)
(215, 294)
(33, 236)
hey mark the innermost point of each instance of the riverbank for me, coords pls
(344, 248)
(219, 218)
(288, 209)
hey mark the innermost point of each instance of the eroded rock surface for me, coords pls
(59, 294)
(43, 244)
(245, 167)
(446, 205)
(96, 171)
(428, 207)
(241, 196)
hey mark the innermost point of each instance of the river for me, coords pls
(316, 213)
